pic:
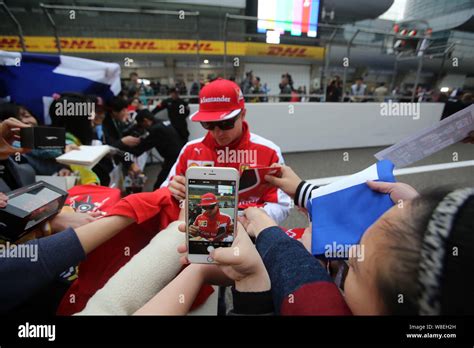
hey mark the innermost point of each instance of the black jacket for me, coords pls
(14, 175)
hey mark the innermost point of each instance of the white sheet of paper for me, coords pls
(87, 156)
(361, 177)
(430, 140)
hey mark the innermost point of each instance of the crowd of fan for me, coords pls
(408, 251)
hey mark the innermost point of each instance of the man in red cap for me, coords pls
(228, 143)
(211, 224)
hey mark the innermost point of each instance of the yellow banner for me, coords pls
(47, 44)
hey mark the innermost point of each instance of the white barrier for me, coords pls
(299, 127)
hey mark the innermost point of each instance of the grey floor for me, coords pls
(320, 164)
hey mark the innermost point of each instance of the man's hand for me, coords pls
(178, 187)
(398, 191)
(255, 220)
(9, 132)
(193, 230)
(64, 220)
(134, 170)
(70, 147)
(3, 200)
(131, 141)
(240, 262)
(288, 181)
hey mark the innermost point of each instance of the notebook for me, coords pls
(87, 156)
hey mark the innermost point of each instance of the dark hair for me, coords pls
(133, 73)
(117, 104)
(398, 284)
(80, 125)
(144, 114)
(8, 110)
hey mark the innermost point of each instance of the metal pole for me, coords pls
(394, 74)
(53, 24)
(445, 53)
(417, 79)
(198, 58)
(327, 57)
(440, 72)
(225, 44)
(349, 60)
(18, 25)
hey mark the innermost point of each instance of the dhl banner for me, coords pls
(47, 44)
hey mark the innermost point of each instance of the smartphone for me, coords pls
(211, 210)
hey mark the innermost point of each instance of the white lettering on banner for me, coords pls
(37, 331)
(222, 99)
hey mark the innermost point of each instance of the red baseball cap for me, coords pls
(208, 199)
(219, 100)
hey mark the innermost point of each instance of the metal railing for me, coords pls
(304, 97)
(17, 24)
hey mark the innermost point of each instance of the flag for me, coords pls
(343, 210)
(31, 79)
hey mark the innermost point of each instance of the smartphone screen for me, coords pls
(211, 214)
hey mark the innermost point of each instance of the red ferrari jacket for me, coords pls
(250, 150)
(209, 226)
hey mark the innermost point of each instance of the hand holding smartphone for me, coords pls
(211, 210)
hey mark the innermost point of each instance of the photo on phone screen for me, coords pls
(211, 214)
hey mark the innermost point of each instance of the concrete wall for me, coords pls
(325, 126)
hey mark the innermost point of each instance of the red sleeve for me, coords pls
(182, 163)
(317, 298)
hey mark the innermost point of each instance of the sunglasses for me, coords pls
(223, 125)
(209, 207)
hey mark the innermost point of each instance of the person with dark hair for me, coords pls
(358, 90)
(79, 130)
(286, 87)
(114, 125)
(160, 135)
(178, 112)
(19, 112)
(334, 90)
(43, 161)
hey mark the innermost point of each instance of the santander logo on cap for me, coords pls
(222, 99)
(219, 100)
